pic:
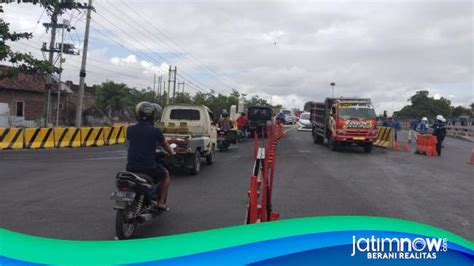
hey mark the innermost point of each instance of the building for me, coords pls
(25, 95)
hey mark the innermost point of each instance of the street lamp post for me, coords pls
(332, 85)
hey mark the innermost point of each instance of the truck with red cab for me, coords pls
(342, 121)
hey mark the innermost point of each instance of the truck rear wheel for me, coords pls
(332, 144)
(318, 139)
(368, 147)
(211, 156)
(196, 161)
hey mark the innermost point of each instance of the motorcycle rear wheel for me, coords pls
(124, 228)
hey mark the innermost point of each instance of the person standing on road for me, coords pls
(142, 140)
(423, 126)
(412, 131)
(439, 130)
(396, 127)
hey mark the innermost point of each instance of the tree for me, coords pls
(25, 62)
(423, 105)
(111, 97)
(307, 106)
(460, 111)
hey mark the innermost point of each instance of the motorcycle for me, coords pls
(133, 200)
(222, 143)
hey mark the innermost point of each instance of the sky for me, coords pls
(287, 52)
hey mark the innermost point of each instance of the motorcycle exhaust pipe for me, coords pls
(144, 217)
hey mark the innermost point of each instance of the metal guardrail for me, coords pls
(466, 131)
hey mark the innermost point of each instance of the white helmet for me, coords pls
(440, 118)
(424, 119)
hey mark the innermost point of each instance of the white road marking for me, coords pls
(105, 158)
(286, 130)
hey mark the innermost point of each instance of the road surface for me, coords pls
(64, 193)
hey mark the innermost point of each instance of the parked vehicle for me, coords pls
(304, 123)
(260, 117)
(134, 196)
(344, 122)
(192, 129)
(290, 117)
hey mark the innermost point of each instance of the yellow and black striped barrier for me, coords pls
(39, 138)
(114, 135)
(92, 136)
(67, 137)
(384, 137)
(11, 138)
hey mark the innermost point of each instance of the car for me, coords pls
(289, 116)
(304, 124)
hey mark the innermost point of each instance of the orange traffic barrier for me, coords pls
(472, 157)
(426, 144)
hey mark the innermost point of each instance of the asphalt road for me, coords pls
(65, 193)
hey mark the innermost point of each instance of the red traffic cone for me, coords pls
(396, 146)
(472, 157)
(406, 147)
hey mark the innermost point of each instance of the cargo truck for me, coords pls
(344, 122)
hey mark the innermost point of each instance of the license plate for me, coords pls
(123, 196)
(359, 138)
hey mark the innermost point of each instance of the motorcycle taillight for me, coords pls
(122, 185)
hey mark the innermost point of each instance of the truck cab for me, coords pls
(192, 129)
(344, 122)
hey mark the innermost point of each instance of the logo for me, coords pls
(420, 248)
(358, 124)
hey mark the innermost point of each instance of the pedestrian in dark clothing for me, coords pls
(396, 127)
(439, 130)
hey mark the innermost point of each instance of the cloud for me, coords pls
(386, 50)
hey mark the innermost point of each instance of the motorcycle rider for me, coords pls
(242, 123)
(142, 141)
(224, 122)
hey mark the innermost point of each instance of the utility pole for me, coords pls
(171, 74)
(61, 50)
(174, 83)
(169, 87)
(182, 92)
(154, 82)
(82, 74)
(49, 81)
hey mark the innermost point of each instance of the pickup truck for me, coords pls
(191, 128)
(344, 121)
(260, 118)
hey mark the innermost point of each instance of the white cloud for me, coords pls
(381, 49)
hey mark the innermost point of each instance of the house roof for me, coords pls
(23, 82)
(29, 82)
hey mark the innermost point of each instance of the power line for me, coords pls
(170, 38)
(165, 59)
(136, 49)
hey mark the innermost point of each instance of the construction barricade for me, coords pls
(426, 144)
(92, 136)
(11, 138)
(67, 137)
(259, 208)
(114, 135)
(384, 137)
(39, 138)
